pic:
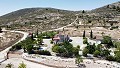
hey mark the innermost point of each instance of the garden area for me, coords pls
(33, 43)
(102, 50)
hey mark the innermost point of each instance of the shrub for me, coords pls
(96, 53)
(85, 41)
(85, 52)
(110, 58)
(51, 41)
(16, 47)
(43, 52)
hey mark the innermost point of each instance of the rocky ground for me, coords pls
(8, 38)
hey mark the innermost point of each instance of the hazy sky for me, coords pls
(7, 6)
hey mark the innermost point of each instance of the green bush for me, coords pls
(16, 47)
(49, 34)
(76, 51)
(110, 58)
(51, 41)
(65, 49)
(85, 41)
(43, 52)
(85, 52)
(96, 53)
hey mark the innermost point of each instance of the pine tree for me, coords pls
(83, 11)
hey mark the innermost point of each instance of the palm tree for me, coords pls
(9, 65)
(22, 65)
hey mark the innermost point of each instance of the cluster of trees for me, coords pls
(27, 45)
(66, 49)
(31, 45)
(116, 57)
(103, 50)
(97, 51)
(107, 41)
(112, 44)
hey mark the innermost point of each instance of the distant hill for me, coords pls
(51, 18)
(42, 18)
(112, 10)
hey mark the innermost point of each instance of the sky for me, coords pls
(7, 6)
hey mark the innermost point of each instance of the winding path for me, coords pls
(4, 52)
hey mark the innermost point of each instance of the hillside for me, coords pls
(41, 18)
(31, 19)
(104, 15)
(110, 10)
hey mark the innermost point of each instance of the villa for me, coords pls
(59, 38)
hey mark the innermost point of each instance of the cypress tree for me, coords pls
(37, 33)
(84, 34)
(32, 36)
(91, 34)
(0, 30)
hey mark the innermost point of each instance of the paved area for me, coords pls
(79, 41)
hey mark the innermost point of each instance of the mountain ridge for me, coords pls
(52, 17)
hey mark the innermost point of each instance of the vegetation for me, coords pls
(31, 45)
(91, 48)
(91, 34)
(85, 41)
(84, 34)
(65, 50)
(116, 44)
(78, 60)
(96, 53)
(39, 17)
(22, 65)
(0, 30)
(85, 52)
(110, 58)
(83, 11)
(117, 56)
(43, 52)
(108, 41)
(49, 34)
(9, 65)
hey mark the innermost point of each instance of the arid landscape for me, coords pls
(8, 38)
(39, 37)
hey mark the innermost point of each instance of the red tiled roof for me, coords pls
(56, 38)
